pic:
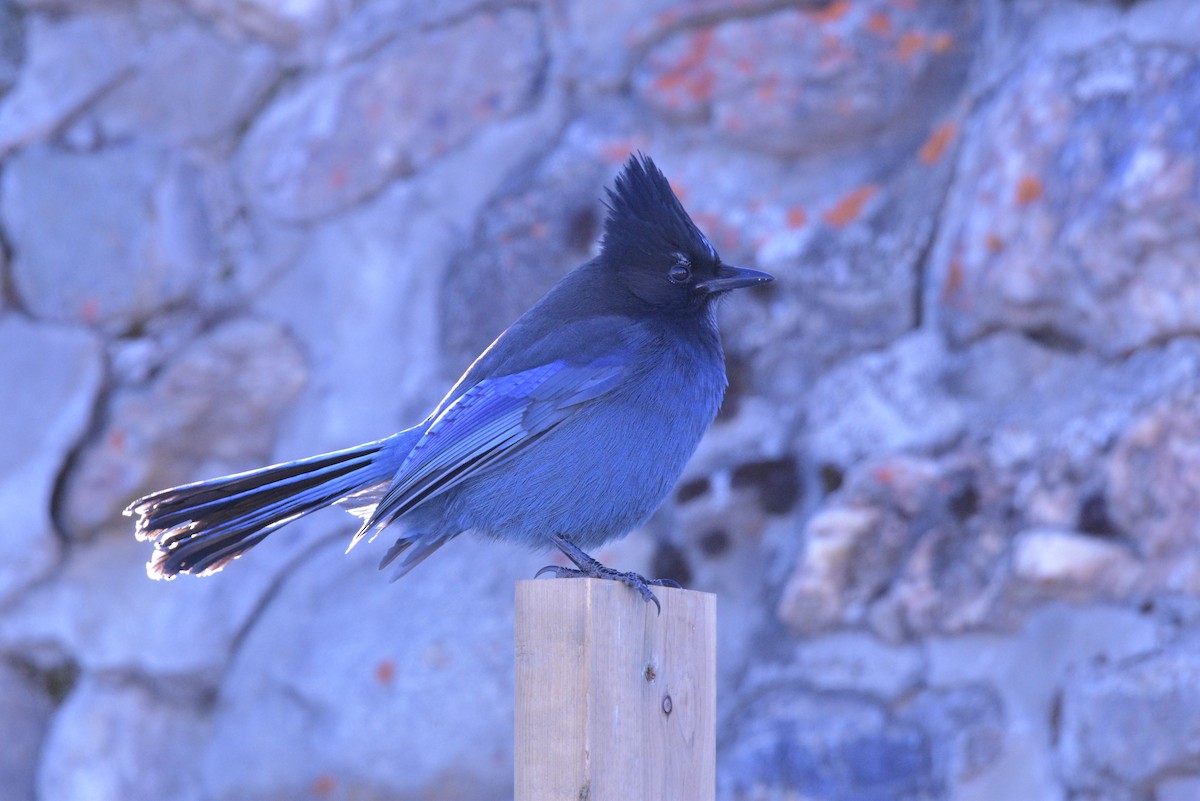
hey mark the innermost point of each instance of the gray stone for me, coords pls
(373, 25)
(1028, 669)
(288, 25)
(801, 82)
(1178, 789)
(190, 85)
(788, 743)
(1022, 397)
(1112, 792)
(838, 663)
(1153, 473)
(600, 43)
(51, 378)
(253, 251)
(72, 6)
(212, 410)
(70, 62)
(107, 733)
(345, 663)
(4, 301)
(364, 315)
(1156, 696)
(909, 546)
(813, 596)
(1052, 420)
(542, 222)
(1074, 213)
(1072, 558)
(12, 46)
(849, 255)
(361, 298)
(887, 401)
(132, 215)
(25, 710)
(343, 135)
(103, 612)
(858, 662)
(966, 726)
(1049, 483)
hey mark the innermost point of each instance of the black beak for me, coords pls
(729, 277)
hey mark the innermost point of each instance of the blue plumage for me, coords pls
(568, 431)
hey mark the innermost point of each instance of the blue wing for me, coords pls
(488, 424)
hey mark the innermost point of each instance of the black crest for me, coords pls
(646, 219)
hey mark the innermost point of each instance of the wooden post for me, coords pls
(614, 701)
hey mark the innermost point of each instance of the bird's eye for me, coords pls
(680, 273)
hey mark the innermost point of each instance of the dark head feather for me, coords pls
(646, 219)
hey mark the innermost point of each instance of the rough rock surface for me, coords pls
(25, 711)
(347, 133)
(352, 677)
(134, 212)
(806, 81)
(949, 504)
(110, 728)
(47, 410)
(201, 415)
(69, 62)
(190, 84)
(1082, 201)
(1156, 695)
(863, 753)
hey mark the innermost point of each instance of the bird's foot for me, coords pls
(588, 567)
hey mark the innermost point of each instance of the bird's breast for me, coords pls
(602, 471)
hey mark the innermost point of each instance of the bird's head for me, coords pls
(655, 248)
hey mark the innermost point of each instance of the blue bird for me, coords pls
(568, 431)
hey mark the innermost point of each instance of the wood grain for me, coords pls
(613, 701)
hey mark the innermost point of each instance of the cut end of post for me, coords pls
(613, 698)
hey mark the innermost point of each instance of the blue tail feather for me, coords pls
(199, 528)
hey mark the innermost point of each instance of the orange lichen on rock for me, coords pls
(941, 42)
(767, 88)
(385, 671)
(338, 176)
(879, 23)
(615, 151)
(911, 43)
(830, 13)
(1029, 189)
(935, 146)
(692, 73)
(954, 278)
(850, 207)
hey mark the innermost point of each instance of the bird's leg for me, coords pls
(589, 567)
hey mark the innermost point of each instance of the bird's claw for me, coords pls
(561, 572)
(629, 579)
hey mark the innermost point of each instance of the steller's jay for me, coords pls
(569, 430)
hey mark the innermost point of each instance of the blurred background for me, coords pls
(951, 504)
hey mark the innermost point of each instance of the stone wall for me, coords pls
(951, 504)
